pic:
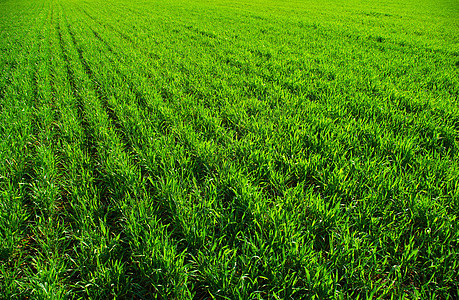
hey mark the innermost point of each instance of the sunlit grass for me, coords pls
(229, 150)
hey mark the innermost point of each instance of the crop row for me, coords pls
(183, 150)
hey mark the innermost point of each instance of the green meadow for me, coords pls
(229, 149)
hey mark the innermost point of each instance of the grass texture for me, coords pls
(225, 149)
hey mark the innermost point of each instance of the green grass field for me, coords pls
(246, 149)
